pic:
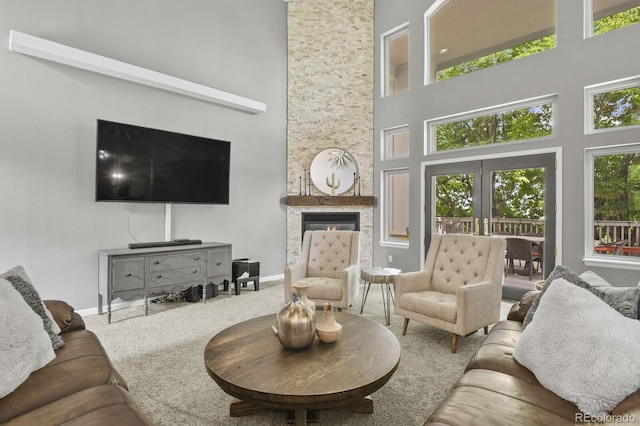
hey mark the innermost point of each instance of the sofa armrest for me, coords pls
(519, 310)
(65, 316)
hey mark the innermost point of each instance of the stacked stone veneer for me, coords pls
(330, 101)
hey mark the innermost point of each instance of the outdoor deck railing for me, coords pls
(609, 231)
(498, 225)
(605, 231)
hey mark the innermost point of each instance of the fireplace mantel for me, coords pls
(328, 200)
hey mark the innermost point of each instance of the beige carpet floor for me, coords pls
(161, 357)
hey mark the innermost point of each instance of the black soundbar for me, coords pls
(164, 243)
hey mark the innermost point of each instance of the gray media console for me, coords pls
(134, 273)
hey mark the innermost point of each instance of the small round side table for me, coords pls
(386, 277)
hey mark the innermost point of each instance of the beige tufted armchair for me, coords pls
(329, 262)
(460, 288)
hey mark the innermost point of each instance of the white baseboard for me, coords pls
(139, 302)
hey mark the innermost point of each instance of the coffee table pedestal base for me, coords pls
(300, 416)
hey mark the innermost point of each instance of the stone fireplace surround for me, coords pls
(330, 105)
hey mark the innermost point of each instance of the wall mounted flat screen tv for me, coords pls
(139, 164)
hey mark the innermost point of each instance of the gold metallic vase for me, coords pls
(296, 326)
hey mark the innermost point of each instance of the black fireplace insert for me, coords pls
(331, 221)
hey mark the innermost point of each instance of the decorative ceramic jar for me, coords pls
(328, 329)
(302, 288)
(296, 326)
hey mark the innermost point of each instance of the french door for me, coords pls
(514, 195)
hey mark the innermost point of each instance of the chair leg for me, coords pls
(454, 343)
(404, 327)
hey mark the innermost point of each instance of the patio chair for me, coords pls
(538, 249)
(617, 246)
(520, 249)
(460, 288)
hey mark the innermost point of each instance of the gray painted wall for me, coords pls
(565, 71)
(49, 221)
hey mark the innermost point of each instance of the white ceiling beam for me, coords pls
(56, 52)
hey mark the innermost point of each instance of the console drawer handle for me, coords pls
(195, 271)
(197, 258)
(128, 275)
(157, 262)
(159, 276)
(219, 263)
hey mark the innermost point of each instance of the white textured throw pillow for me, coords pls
(25, 346)
(54, 325)
(582, 349)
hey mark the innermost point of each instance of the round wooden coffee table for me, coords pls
(248, 362)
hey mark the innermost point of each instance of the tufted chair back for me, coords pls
(460, 260)
(327, 253)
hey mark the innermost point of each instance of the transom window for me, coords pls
(514, 122)
(396, 143)
(465, 36)
(609, 15)
(395, 44)
(396, 206)
(613, 105)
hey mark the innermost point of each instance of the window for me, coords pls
(395, 44)
(612, 206)
(396, 196)
(464, 36)
(396, 143)
(613, 105)
(507, 123)
(609, 15)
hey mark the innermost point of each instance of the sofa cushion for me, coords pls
(483, 397)
(323, 288)
(25, 345)
(81, 364)
(432, 304)
(581, 349)
(100, 405)
(623, 299)
(496, 352)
